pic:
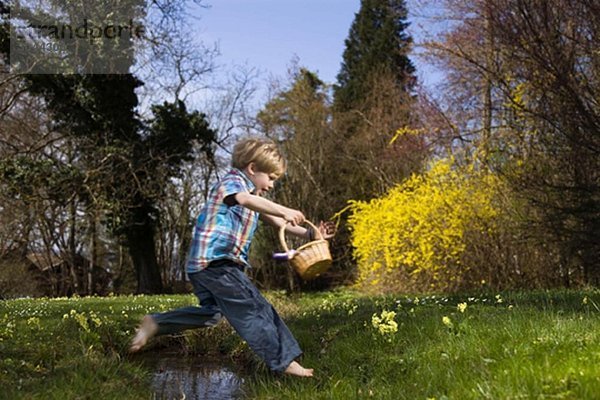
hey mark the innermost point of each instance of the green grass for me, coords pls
(533, 345)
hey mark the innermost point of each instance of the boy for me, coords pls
(219, 256)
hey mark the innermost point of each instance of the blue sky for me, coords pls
(268, 34)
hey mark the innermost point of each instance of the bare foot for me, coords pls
(298, 370)
(146, 330)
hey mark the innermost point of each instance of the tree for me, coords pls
(39, 182)
(373, 99)
(526, 75)
(298, 117)
(552, 86)
(126, 160)
(175, 139)
(133, 167)
(377, 43)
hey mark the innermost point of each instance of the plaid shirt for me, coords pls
(222, 231)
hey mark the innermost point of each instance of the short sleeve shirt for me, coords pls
(223, 231)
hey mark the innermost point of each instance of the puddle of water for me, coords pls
(192, 378)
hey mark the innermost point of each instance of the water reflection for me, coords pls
(192, 378)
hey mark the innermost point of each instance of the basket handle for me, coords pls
(282, 234)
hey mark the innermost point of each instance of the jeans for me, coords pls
(224, 290)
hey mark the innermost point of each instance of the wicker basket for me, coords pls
(311, 259)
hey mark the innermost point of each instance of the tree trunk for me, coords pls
(142, 249)
(73, 248)
(91, 289)
(487, 88)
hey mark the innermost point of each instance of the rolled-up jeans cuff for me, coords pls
(286, 363)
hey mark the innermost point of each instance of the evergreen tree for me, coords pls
(372, 101)
(377, 43)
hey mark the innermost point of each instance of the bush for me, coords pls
(418, 235)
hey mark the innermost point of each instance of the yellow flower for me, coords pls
(420, 225)
(461, 307)
(447, 321)
(585, 300)
(385, 323)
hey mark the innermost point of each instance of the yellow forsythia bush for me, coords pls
(419, 227)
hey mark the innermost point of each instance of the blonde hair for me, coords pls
(261, 151)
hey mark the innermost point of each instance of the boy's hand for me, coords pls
(292, 216)
(327, 229)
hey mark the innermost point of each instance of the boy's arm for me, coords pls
(326, 229)
(277, 222)
(268, 207)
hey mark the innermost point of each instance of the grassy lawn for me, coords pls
(532, 345)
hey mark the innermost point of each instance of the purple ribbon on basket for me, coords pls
(284, 256)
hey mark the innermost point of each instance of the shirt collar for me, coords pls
(251, 187)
